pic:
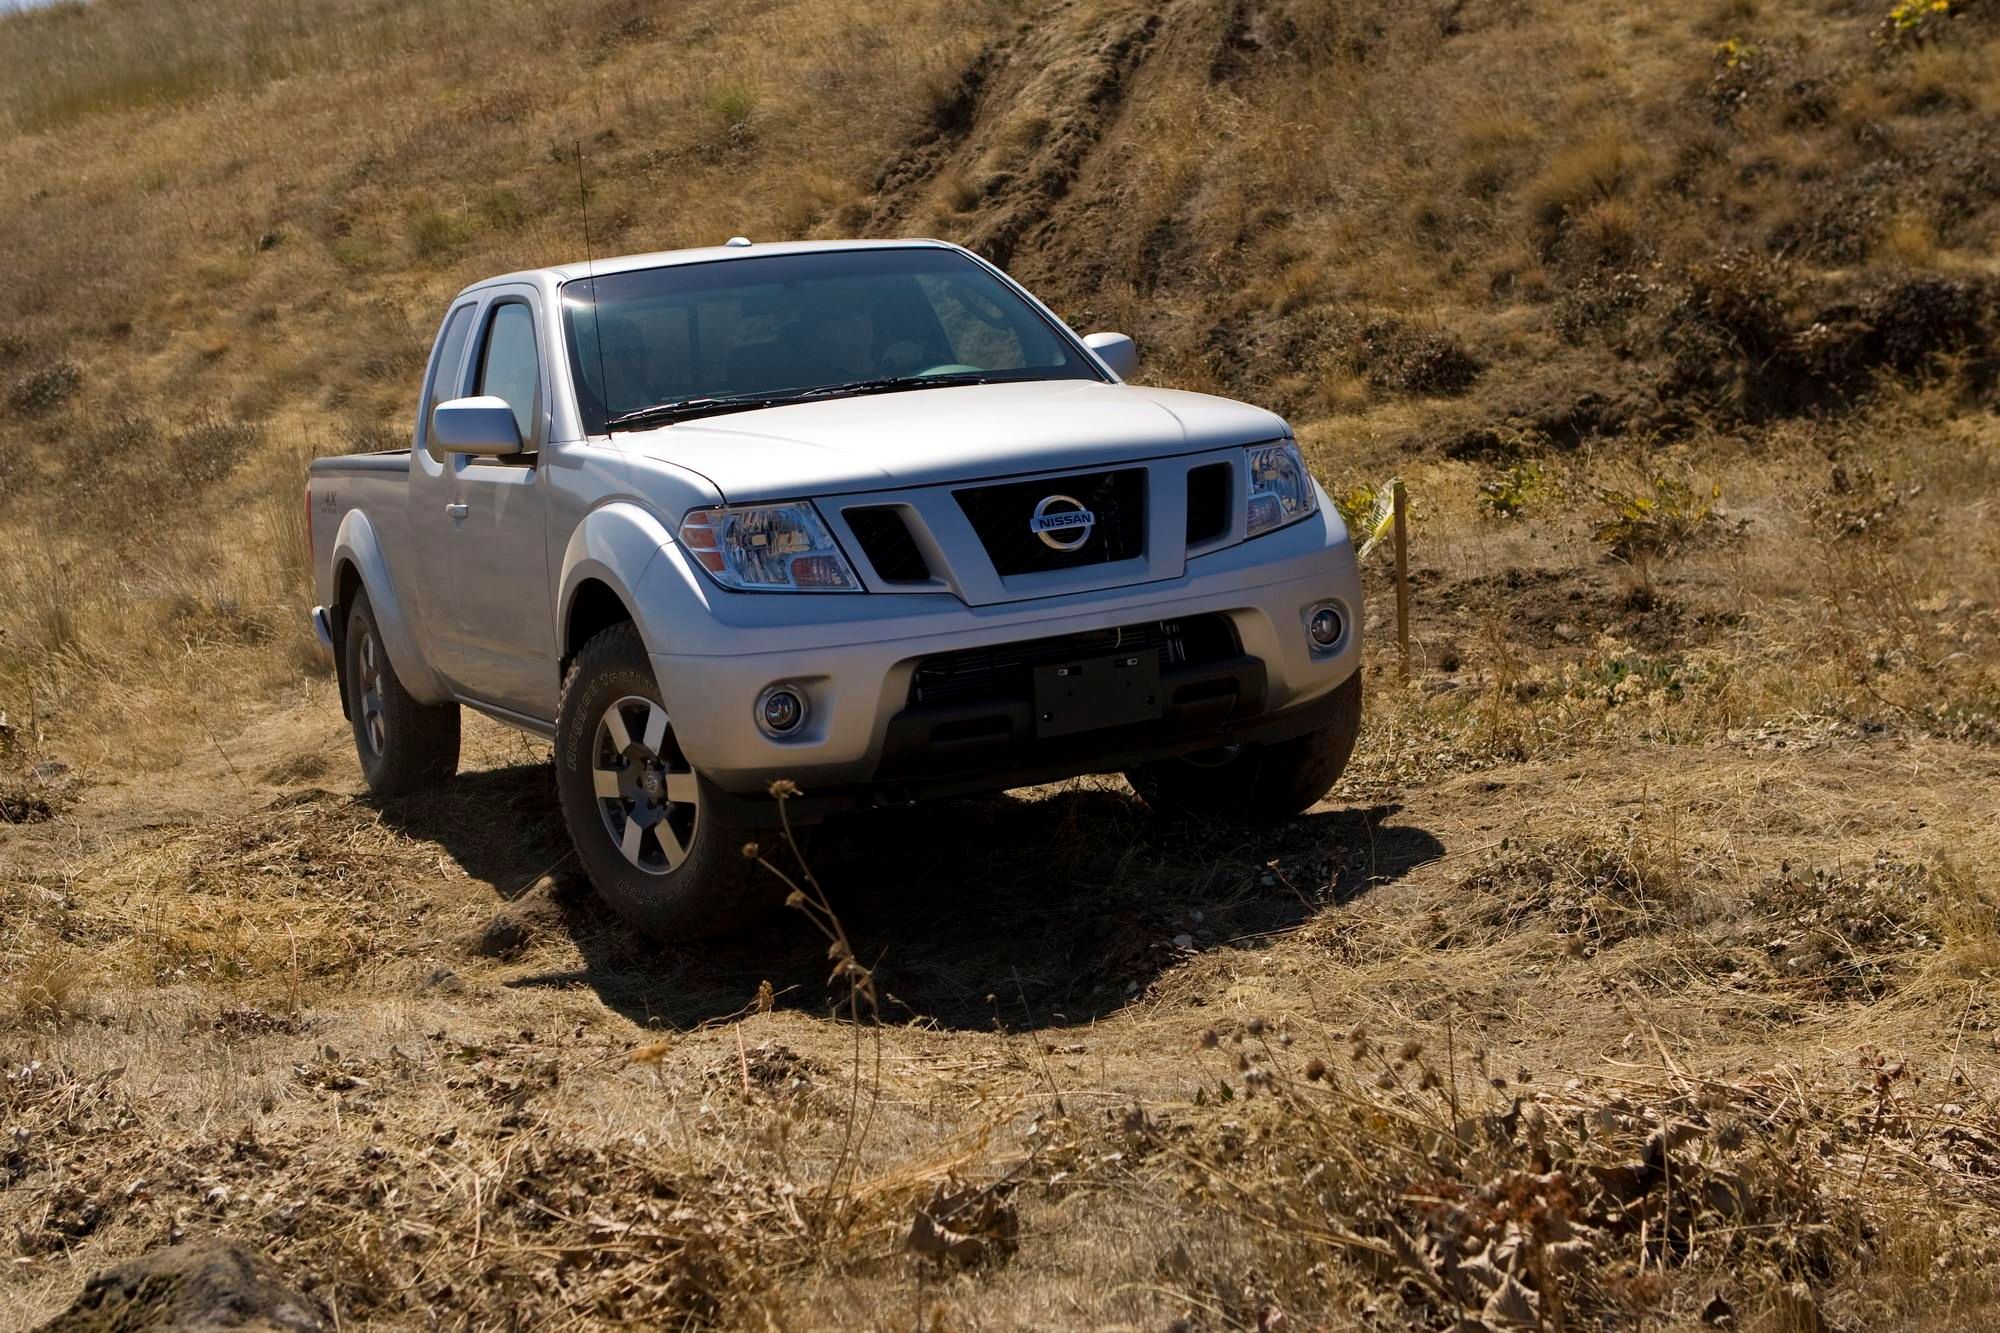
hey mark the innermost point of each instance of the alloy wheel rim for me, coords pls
(374, 724)
(646, 790)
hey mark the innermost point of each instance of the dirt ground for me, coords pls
(401, 1049)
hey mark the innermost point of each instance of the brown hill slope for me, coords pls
(1476, 227)
(1627, 217)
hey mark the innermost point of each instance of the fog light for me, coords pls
(1323, 626)
(781, 710)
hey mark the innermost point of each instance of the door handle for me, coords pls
(457, 510)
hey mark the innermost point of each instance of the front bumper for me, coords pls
(853, 658)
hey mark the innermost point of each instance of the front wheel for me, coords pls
(1257, 784)
(648, 833)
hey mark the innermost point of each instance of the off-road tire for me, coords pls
(714, 889)
(404, 746)
(1260, 784)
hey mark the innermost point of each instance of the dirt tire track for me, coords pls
(903, 177)
(1020, 127)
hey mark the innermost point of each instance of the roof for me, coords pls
(704, 255)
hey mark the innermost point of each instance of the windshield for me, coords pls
(781, 326)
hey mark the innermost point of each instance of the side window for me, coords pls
(508, 367)
(444, 372)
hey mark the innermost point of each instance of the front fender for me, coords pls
(614, 545)
(357, 544)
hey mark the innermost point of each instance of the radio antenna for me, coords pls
(590, 275)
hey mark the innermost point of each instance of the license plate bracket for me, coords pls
(1097, 692)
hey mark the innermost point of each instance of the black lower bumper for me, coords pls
(948, 750)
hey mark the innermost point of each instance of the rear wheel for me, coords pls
(652, 841)
(1257, 784)
(403, 745)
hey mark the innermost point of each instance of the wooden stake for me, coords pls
(1402, 579)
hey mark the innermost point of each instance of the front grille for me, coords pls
(1006, 672)
(885, 539)
(1001, 516)
(1207, 503)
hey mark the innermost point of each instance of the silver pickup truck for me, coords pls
(861, 515)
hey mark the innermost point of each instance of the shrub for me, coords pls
(1583, 173)
(130, 434)
(1395, 356)
(209, 450)
(1918, 20)
(1848, 931)
(733, 106)
(1609, 231)
(45, 389)
(1508, 494)
(433, 232)
(1644, 528)
(502, 208)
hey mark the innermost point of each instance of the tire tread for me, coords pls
(423, 738)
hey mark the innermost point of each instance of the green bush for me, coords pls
(1508, 494)
(433, 232)
(1645, 528)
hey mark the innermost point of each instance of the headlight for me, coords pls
(785, 546)
(1280, 489)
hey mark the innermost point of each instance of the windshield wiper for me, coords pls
(681, 408)
(890, 384)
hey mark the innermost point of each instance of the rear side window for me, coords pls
(508, 367)
(444, 372)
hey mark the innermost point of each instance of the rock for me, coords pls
(965, 1226)
(444, 979)
(503, 937)
(192, 1288)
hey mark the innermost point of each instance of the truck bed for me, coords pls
(377, 484)
(385, 460)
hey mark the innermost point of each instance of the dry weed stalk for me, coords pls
(1585, 1202)
(863, 1012)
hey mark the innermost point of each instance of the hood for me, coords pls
(967, 432)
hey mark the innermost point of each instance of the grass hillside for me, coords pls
(1640, 973)
(1458, 230)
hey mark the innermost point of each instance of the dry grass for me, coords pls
(1287, 203)
(1613, 1051)
(270, 221)
(1636, 975)
(50, 987)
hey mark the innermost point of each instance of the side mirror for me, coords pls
(1117, 351)
(484, 427)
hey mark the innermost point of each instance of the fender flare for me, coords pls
(615, 545)
(356, 544)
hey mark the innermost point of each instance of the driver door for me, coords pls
(496, 514)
